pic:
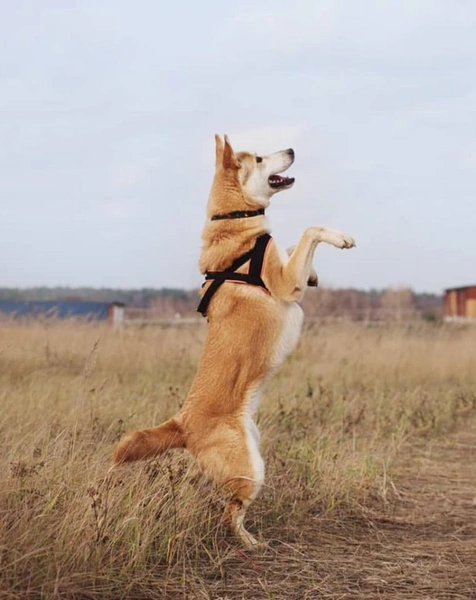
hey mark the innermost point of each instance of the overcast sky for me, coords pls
(108, 110)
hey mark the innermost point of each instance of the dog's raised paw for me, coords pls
(313, 281)
(347, 241)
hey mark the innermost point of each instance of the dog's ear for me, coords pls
(229, 158)
(218, 149)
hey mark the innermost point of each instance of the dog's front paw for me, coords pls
(313, 280)
(338, 239)
(347, 241)
(331, 236)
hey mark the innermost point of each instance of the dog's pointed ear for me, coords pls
(218, 149)
(229, 158)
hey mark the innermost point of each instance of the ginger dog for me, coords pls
(250, 297)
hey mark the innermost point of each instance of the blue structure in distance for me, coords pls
(21, 309)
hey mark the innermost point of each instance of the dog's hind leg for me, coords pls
(242, 495)
(234, 462)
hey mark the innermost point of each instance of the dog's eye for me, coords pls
(259, 159)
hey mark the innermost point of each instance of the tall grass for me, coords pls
(332, 421)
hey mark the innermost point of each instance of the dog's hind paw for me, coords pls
(250, 542)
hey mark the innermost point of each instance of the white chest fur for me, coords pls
(290, 331)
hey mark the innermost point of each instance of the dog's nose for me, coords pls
(290, 152)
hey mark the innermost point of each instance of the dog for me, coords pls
(251, 299)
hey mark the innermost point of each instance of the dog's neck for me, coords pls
(234, 221)
(223, 240)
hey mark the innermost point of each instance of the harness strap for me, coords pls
(257, 258)
(253, 277)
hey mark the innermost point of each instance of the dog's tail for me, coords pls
(148, 443)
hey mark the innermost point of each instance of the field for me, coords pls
(368, 437)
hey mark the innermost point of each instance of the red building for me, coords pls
(460, 303)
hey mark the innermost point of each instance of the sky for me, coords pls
(108, 109)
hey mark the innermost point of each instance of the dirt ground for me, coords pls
(421, 545)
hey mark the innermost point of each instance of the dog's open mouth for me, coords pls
(278, 181)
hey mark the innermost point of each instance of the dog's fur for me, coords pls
(250, 333)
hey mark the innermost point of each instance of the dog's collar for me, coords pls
(239, 214)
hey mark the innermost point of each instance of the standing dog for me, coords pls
(250, 297)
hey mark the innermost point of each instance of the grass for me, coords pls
(361, 432)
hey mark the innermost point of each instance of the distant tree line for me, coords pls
(391, 304)
(396, 304)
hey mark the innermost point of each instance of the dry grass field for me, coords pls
(370, 453)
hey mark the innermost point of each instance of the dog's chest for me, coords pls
(291, 324)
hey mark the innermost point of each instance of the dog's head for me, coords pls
(259, 177)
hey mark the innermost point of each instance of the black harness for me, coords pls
(253, 277)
